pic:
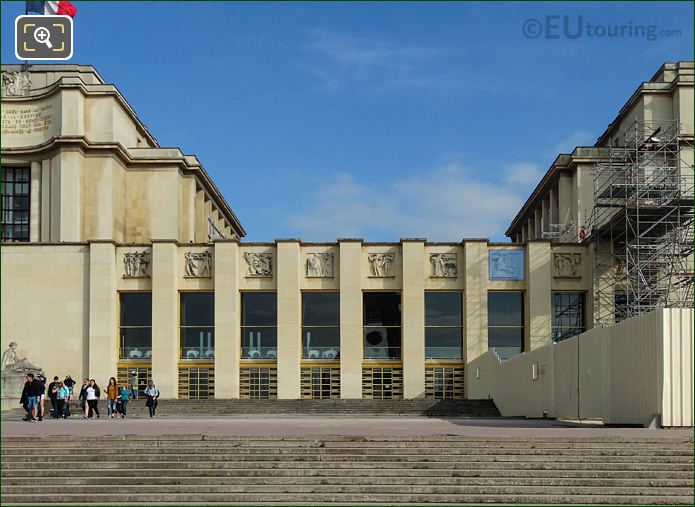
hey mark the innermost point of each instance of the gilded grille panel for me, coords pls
(444, 383)
(196, 383)
(382, 383)
(258, 383)
(320, 382)
(124, 375)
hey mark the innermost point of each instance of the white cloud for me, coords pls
(524, 173)
(578, 138)
(349, 60)
(445, 204)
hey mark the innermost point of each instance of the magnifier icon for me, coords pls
(43, 36)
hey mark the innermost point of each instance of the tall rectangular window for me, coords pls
(443, 325)
(259, 321)
(382, 325)
(505, 316)
(15, 203)
(568, 315)
(321, 325)
(197, 325)
(135, 326)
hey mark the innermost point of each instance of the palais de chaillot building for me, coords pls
(121, 257)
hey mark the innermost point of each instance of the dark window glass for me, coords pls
(382, 342)
(259, 326)
(321, 325)
(321, 309)
(136, 308)
(197, 309)
(443, 325)
(15, 203)
(442, 308)
(259, 309)
(568, 315)
(197, 343)
(382, 309)
(506, 323)
(135, 326)
(505, 308)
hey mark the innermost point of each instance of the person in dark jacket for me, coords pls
(42, 395)
(53, 389)
(33, 391)
(69, 383)
(83, 398)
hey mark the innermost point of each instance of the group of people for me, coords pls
(60, 393)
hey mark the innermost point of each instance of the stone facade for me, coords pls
(113, 213)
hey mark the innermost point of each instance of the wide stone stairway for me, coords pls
(189, 469)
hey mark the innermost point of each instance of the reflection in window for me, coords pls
(15, 203)
(259, 326)
(321, 325)
(443, 325)
(135, 326)
(568, 315)
(505, 315)
(382, 325)
(197, 325)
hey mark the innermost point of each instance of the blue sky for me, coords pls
(374, 120)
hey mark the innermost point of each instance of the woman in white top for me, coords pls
(93, 393)
(152, 394)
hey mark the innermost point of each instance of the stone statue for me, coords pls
(260, 264)
(17, 83)
(320, 264)
(12, 363)
(136, 265)
(444, 265)
(382, 264)
(198, 265)
(567, 265)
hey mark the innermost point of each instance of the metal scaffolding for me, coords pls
(641, 225)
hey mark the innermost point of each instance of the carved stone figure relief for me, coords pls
(198, 265)
(506, 264)
(567, 265)
(17, 84)
(320, 265)
(12, 363)
(260, 264)
(382, 264)
(444, 265)
(136, 265)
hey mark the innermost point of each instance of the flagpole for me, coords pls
(25, 67)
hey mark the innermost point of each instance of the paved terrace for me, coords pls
(329, 426)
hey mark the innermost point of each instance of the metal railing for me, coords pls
(442, 352)
(327, 353)
(259, 353)
(382, 352)
(507, 352)
(135, 353)
(198, 353)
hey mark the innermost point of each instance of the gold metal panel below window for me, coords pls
(258, 383)
(320, 382)
(134, 376)
(196, 383)
(382, 383)
(444, 383)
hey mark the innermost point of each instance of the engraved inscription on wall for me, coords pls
(26, 120)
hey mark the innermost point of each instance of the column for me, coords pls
(564, 199)
(35, 205)
(413, 301)
(165, 318)
(45, 221)
(538, 276)
(70, 196)
(201, 224)
(289, 318)
(103, 311)
(227, 308)
(475, 294)
(350, 318)
(537, 223)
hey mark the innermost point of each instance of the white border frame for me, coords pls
(72, 36)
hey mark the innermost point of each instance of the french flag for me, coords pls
(52, 8)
